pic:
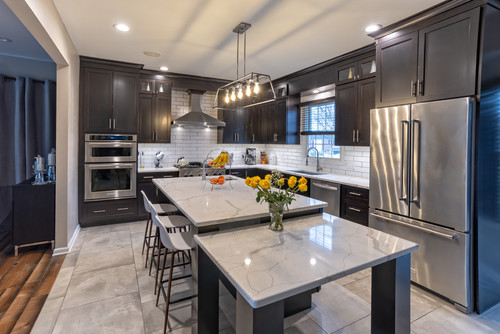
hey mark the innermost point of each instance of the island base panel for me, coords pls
(265, 319)
(391, 296)
(206, 306)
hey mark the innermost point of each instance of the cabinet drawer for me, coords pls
(355, 193)
(355, 211)
(109, 210)
(148, 177)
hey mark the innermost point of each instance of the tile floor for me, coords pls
(103, 287)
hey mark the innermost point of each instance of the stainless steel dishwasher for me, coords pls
(327, 192)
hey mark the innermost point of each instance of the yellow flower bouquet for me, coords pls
(278, 192)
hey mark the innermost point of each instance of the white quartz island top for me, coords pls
(204, 206)
(267, 266)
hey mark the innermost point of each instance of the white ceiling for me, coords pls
(23, 43)
(195, 36)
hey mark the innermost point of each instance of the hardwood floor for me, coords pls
(25, 282)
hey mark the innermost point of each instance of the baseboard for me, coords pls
(66, 250)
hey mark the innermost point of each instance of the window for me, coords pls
(318, 124)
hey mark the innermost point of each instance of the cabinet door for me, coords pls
(345, 114)
(367, 68)
(281, 125)
(447, 57)
(397, 70)
(256, 125)
(228, 134)
(162, 122)
(124, 100)
(366, 101)
(146, 107)
(243, 131)
(98, 100)
(347, 73)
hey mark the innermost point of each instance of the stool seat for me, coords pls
(164, 208)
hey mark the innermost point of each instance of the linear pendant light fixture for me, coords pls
(249, 90)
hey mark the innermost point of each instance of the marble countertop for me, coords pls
(204, 206)
(338, 178)
(267, 266)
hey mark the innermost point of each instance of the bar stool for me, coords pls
(172, 224)
(161, 209)
(177, 242)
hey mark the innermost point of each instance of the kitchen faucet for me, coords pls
(318, 168)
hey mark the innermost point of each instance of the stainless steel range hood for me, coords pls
(196, 118)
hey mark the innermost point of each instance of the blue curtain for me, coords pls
(27, 128)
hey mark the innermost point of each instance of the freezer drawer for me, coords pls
(442, 261)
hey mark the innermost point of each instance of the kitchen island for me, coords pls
(267, 267)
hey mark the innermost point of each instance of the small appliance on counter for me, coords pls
(51, 162)
(250, 156)
(182, 162)
(38, 170)
(158, 158)
(263, 158)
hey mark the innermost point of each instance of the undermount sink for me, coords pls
(302, 171)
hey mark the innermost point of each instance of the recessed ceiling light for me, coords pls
(5, 40)
(372, 28)
(121, 27)
(164, 68)
(315, 91)
(152, 53)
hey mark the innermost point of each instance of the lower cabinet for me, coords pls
(354, 204)
(104, 211)
(145, 183)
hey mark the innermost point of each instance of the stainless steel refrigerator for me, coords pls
(421, 180)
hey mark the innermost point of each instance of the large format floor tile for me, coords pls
(104, 241)
(122, 314)
(100, 284)
(90, 261)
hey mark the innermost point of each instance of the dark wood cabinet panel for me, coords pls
(346, 104)
(438, 61)
(447, 57)
(95, 213)
(124, 102)
(163, 118)
(350, 71)
(146, 118)
(353, 102)
(397, 70)
(97, 100)
(154, 118)
(366, 101)
(257, 125)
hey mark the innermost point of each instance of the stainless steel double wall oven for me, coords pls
(110, 166)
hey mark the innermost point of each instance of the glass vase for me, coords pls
(276, 213)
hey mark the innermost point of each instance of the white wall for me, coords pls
(42, 19)
(194, 145)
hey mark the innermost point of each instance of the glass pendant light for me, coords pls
(248, 90)
(240, 93)
(256, 88)
(227, 96)
(233, 95)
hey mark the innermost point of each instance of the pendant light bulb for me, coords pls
(233, 95)
(227, 97)
(240, 93)
(248, 90)
(256, 88)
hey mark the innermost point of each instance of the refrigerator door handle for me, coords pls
(439, 234)
(402, 196)
(415, 170)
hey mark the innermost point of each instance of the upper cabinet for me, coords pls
(109, 98)
(155, 97)
(435, 62)
(356, 70)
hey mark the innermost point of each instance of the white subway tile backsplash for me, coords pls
(194, 145)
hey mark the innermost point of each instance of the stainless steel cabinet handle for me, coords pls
(322, 186)
(354, 193)
(439, 234)
(357, 136)
(354, 209)
(253, 137)
(114, 123)
(413, 88)
(353, 136)
(402, 197)
(122, 209)
(421, 87)
(148, 177)
(418, 87)
(109, 123)
(99, 211)
(415, 164)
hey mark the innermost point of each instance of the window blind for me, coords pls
(317, 118)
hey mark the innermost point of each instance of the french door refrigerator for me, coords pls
(420, 189)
